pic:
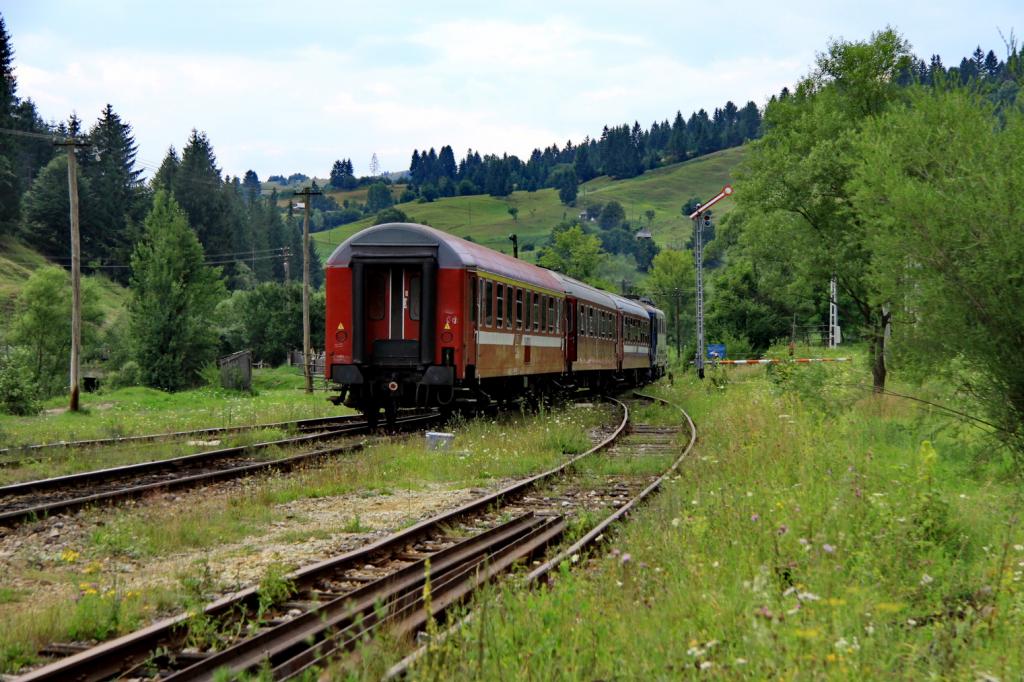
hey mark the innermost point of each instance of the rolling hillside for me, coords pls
(18, 262)
(486, 219)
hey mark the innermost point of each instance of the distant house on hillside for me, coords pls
(644, 234)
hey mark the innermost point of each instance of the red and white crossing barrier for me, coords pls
(776, 361)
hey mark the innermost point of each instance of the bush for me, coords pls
(391, 215)
(128, 375)
(18, 394)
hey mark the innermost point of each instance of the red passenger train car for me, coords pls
(419, 317)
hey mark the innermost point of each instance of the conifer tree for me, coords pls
(116, 186)
(164, 177)
(252, 187)
(46, 224)
(197, 189)
(173, 298)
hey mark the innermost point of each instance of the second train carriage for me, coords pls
(419, 317)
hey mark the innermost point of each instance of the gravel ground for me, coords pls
(40, 561)
(34, 557)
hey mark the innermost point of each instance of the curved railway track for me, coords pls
(336, 602)
(20, 502)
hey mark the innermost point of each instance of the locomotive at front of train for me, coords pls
(394, 323)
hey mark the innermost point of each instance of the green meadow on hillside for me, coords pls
(18, 262)
(486, 219)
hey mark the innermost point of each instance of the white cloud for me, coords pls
(495, 86)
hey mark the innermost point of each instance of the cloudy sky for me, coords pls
(287, 87)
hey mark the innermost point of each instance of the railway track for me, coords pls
(334, 604)
(25, 452)
(30, 500)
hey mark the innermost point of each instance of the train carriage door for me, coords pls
(571, 328)
(619, 343)
(413, 299)
(470, 330)
(399, 298)
(652, 348)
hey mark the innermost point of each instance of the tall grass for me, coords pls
(813, 534)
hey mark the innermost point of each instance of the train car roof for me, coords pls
(584, 292)
(652, 308)
(628, 305)
(413, 240)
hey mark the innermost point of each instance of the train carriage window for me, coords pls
(558, 316)
(414, 297)
(508, 307)
(591, 323)
(527, 310)
(543, 313)
(377, 290)
(536, 311)
(501, 304)
(551, 314)
(489, 304)
(519, 308)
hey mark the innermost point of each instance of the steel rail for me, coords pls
(35, 511)
(300, 424)
(359, 608)
(540, 573)
(113, 657)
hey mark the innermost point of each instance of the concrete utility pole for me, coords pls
(76, 269)
(702, 219)
(287, 265)
(833, 314)
(307, 360)
(699, 224)
(677, 299)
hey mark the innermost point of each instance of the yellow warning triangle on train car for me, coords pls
(447, 326)
(341, 327)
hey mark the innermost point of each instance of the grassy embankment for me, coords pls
(817, 532)
(487, 221)
(88, 584)
(18, 262)
(277, 396)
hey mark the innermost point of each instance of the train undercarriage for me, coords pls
(383, 391)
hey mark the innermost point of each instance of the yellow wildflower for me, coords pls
(69, 555)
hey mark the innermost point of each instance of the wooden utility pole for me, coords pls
(307, 360)
(76, 269)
